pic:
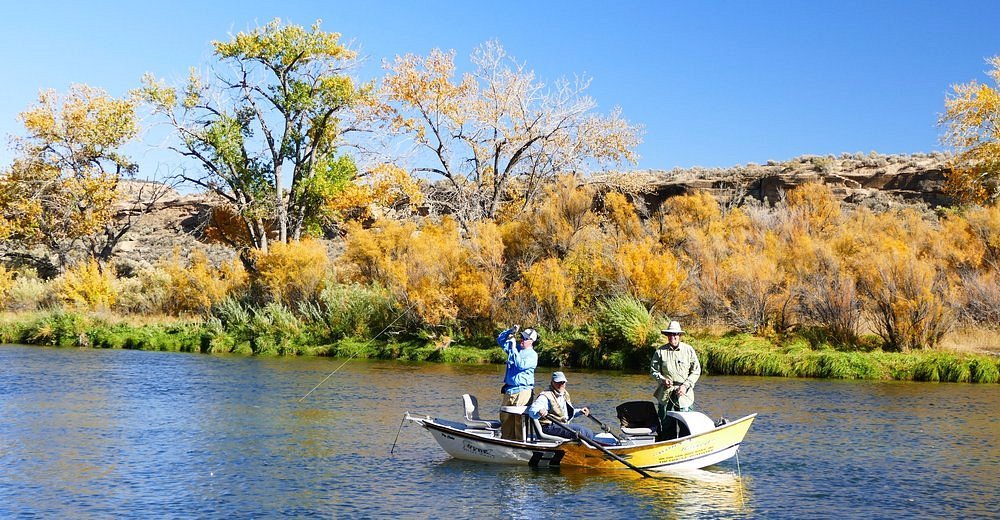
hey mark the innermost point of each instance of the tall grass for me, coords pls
(625, 325)
(278, 330)
(727, 356)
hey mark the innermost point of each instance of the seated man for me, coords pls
(555, 402)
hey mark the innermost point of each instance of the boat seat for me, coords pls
(537, 434)
(470, 406)
(638, 418)
(531, 428)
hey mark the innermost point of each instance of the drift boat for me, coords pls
(700, 442)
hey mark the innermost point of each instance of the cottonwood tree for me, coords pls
(62, 191)
(496, 135)
(268, 131)
(972, 121)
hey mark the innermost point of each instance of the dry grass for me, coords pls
(972, 340)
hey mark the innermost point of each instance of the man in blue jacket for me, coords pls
(519, 379)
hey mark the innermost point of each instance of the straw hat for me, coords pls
(673, 328)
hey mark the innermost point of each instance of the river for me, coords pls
(127, 434)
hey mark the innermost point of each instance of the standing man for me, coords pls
(676, 369)
(519, 379)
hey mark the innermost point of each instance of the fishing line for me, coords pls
(328, 376)
(739, 476)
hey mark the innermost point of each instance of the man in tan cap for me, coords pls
(555, 402)
(676, 369)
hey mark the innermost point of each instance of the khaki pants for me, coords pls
(511, 425)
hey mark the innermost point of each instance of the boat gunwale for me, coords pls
(431, 423)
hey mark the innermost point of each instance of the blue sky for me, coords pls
(714, 83)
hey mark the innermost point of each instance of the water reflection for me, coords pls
(101, 434)
(574, 492)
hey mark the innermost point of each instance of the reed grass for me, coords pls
(624, 323)
(277, 330)
(739, 356)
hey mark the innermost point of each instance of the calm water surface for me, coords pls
(112, 434)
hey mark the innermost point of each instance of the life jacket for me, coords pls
(563, 415)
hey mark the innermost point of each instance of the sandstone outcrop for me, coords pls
(876, 181)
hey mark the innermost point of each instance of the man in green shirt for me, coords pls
(676, 369)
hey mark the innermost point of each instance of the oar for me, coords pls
(595, 444)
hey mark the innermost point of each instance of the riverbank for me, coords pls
(731, 354)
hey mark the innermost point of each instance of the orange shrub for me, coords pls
(684, 213)
(195, 284)
(427, 268)
(906, 300)
(6, 283)
(814, 204)
(479, 286)
(549, 289)
(653, 276)
(591, 266)
(984, 225)
(562, 217)
(621, 214)
(292, 272)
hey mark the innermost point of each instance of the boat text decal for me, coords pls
(476, 450)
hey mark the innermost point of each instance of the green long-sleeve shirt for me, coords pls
(681, 367)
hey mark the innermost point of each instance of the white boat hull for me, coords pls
(697, 451)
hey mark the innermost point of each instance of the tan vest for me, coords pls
(563, 414)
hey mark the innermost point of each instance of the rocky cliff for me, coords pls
(876, 181)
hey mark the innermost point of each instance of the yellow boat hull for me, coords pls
(692, 452)
(696, 451)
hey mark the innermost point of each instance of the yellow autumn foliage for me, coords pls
(87, 287)
(815, 206)
(621, 214)
(386, 190)
(292, 272)
(6, 283)
(61, 189)
(427, 267)
(972, 128)
(906, 299)
(548, 289)
(195, 284)
(653, 276)
(563, 217)
(680, 215)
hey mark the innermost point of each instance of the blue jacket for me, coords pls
(521, 363)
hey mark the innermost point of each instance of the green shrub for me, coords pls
(351, 310)
(846, 365)
(625, 326)
(64, 329)
(985, 369)
(275, 330)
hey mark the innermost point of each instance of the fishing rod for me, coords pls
(604, 427)
(328, 376)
